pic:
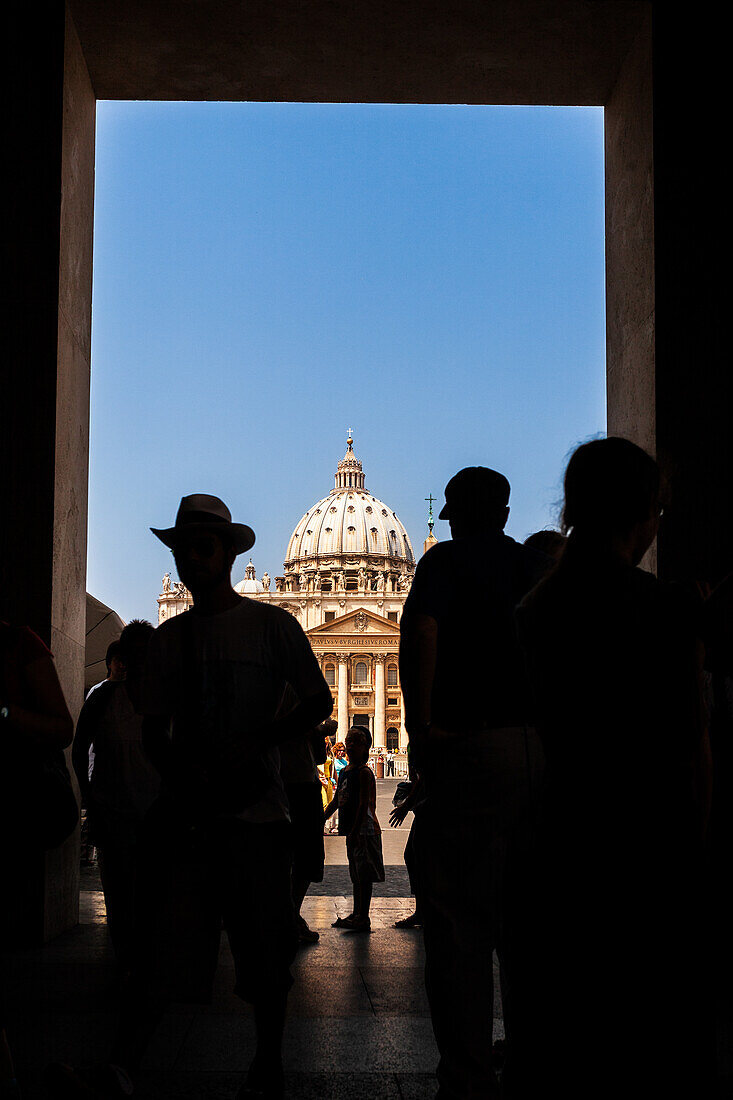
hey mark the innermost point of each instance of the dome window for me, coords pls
(310, 532)
(334, 509)
(329, 530)
(374, 532)
(384, 511)
(350, 508)
(368, 509)
(351, 530)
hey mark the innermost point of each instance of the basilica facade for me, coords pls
(348, 568)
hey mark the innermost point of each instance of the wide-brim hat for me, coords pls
(201, 512)
(472, 489)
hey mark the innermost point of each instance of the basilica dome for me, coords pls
(250, 586)
(350, 526)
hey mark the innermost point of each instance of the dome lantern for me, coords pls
(349, 474)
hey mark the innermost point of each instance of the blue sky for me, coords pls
(267, 276)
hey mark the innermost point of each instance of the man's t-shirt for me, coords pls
(471, 587)
(297, 760)
(231, 670)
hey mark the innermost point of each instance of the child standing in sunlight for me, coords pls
(356, 802)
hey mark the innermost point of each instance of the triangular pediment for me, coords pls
(359, 623)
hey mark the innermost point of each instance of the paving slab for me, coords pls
(371, 1044)
(298, 1086)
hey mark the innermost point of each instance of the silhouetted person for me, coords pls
(412, 802)
(466, 699)
(115, 666)
(299, 759)
(218, 839)
(614, 658)
(115, 673)
(123, 784)
(551, 543)
(35, 728)
(356, 801)
(719, 693)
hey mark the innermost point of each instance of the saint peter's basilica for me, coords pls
(347, 571)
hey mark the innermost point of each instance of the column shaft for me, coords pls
(380, 738)
(343, 700)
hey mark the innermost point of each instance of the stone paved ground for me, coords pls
(358, 1022)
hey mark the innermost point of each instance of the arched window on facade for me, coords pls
(330, 673)
(392, 676)
(393, 739)
(360, 673)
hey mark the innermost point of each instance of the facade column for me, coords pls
(45, 455)
(403, 731)
(380, 737)
(343, 697)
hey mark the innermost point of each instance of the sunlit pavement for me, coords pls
(358, 1022)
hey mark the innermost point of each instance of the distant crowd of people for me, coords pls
(593, 725)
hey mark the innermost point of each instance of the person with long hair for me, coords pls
(339, 761)
(614, 659)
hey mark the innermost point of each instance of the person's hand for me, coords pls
(398, 815)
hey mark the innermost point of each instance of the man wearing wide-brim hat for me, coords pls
(215, 679)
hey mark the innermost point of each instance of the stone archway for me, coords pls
(666, 334)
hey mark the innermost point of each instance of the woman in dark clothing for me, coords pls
(615, 660)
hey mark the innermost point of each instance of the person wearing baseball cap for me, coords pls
(476, 492)
(467, 707)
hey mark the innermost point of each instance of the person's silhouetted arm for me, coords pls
(402, 809)
(306, 714)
